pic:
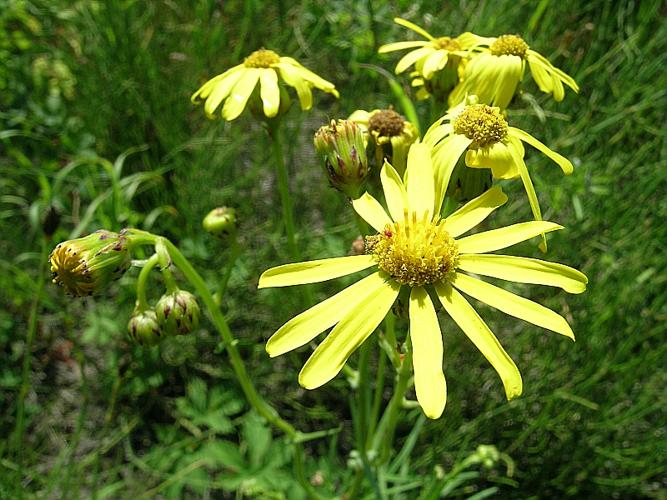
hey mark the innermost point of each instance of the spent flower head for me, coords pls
(494, 72)
(235, 86)
(342, 144)
(415, 250)
(390, 134)
(86, 265)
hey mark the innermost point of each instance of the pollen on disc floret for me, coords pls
(482, 124)
(509, 45)
(262, 58)
(414, 252)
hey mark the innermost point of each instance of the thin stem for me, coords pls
(142, 303)
(164, 259)
(283, 186)
(235, 250)
(27, 357)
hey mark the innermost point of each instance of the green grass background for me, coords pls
(93, 79)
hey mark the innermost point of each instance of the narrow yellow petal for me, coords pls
(394, 191)
(445, 156)
(510, 72)
(330, 356)
(483, 338)
(536, 57)
(308, 75)
(497, 239)
(240, 94)
(314, 271)
(269, 91)
(220, 91)
(301, 86)
(309, 324)
(437, 133)
(391, 47)
(412, 57)
(204, 91)
(497, 157)
(562, 162)
(413, 27)
(371, 211)
(475, 211)
(512, 304)
(427, 353)
(435, 62)
(525, 270)
(419, 179)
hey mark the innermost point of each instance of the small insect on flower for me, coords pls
(235, 86)
(494, 72)
(343, 146)
(85, 266)
(415, 248)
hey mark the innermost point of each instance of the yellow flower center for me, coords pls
(483, 124)
(387, 123)
(446, 43)
(414, 251)
(261, 58)
(509, 45)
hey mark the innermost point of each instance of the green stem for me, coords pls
(142, 303)
(27, 358)
(164, 258)
(235, 251)
(283, 186)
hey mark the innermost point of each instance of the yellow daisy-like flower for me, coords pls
(413, 247)
(482, 132)
(236, 85)
(390, 133)
(433, 54)
(495, 72)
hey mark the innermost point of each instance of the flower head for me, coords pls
(495, 70)
(235, 86)
(483, 133)
(415, 248)
(85, 266)
(343, 146)
(143, 328)
(220, 221)
(390, 134)
(177, 313)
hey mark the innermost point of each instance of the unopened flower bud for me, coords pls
(343, 146)
(220, 221)
(144, 329)
(177, 313)
(85, 266)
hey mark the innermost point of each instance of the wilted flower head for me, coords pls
(220, 221)
(236, 85)
(177, 313)
(343, 146)
(390, 134)
(84, 266)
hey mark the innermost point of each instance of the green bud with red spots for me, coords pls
(177, 313)
(143, 328)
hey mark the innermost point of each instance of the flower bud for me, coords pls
(85, 266)
(343, 146)
(177, 313)
(220, 221)
(143, 328)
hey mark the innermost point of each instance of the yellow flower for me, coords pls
(413, 247)
(482, 132)
(495, 72)
(236, 85)
(433, 54)
(390, 133)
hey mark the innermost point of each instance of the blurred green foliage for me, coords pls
(96, 126)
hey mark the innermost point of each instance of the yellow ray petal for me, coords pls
(483, 338)
(220, 91)
(562, 162)
(314, 271)
(391, 47)
(301, 86)
(419, 179)
(413, 27)
(496, 239)
(330, 356)
(240, 94)
(427, 352)
(512, 304)
(371, 211)
(394, 191)
(204, 91)
(445, 156)
(269, 91)
(475, 211)
(435, 62)
(309, 324)
(412, 57)
(525, 270)
(536, 57)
